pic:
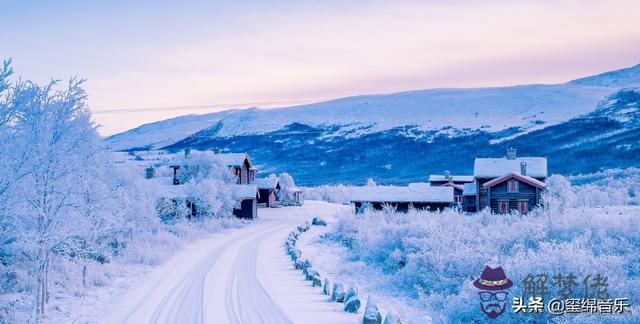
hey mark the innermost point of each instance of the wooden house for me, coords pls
(513, 191)
(239, 164)
(508, 183)
(246, 197)
(269, 190)
(296, 195)
(456, 181)
(402, 198)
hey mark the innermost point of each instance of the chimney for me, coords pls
(523, 168)
(187, 152)
(149, 173)
(511, 153)
(447, 175)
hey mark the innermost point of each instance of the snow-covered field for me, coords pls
(424, 263)
(236, 276)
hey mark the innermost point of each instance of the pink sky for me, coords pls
(202, 53)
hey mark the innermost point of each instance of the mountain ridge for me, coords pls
(476, 121)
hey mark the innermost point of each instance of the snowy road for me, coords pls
(239, 276)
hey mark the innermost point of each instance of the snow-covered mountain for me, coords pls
(165, 132)
(400, 137)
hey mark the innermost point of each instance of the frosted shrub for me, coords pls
(436, 255)
(338, 194)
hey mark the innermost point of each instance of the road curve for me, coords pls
(238, 276)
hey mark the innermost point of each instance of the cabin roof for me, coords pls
(469, 189)
(437, 194)
(525, 179)
(232, 159)
(244, 191)
(497, 167)
(266, 183)
(456, 178)
(294, 189)
(450, 184)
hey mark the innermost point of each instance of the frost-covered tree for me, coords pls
(286, 184)
(371, 182)
(49, 176)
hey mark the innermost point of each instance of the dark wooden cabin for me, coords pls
(531, 171)
(246, 197)
(269, 190)
(513, 191)
(240, 166)
(296, 195)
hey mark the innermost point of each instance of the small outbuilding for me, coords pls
(296, 196)
(246, 197)
(402, 198)
(269, 190)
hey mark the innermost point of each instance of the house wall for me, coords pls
(469, 204)
(264, 196)
(481, 201)
(247, 210)
(525, 191)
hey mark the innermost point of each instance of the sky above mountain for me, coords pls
(204, 56)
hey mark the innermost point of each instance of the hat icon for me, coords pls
(493, 280)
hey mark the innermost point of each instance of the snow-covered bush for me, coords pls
(338, 194)
(435, 256)
(609, 187)
(287, 185)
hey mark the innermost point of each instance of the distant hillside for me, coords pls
(583, 126)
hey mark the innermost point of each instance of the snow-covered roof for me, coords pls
(469, 189)
(244, 191)
(497, 167)
(418, 185)
(456, 178)
(449, 184)
(294, 189)
(518, 176)
(232, 159)
(266, 183)
(402, 194)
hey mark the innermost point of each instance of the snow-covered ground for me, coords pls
(236, 276)
(333, 260)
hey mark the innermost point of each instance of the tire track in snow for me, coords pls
(246, 299)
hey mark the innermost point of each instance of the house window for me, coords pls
(457, 199)
(523, 206)
(503, 206)
(512, 185)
